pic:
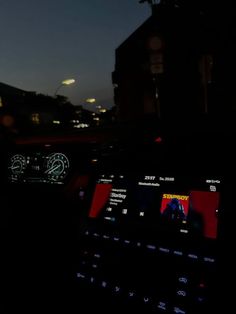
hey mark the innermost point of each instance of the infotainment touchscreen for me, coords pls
(181, 205)
(154, 238)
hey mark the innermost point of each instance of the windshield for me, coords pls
(70, 65)
(56, 61)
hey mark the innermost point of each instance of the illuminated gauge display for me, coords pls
(57, 167)
(17, 165)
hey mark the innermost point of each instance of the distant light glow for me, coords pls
(74, 121)
(103, 110)
(7, 120)
(68, 82)
(158, 140)
(35, 118)
(56, 122)
(81, 126)
(90, 100)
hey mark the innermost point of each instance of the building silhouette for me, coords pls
(30, 111)
(172, 65)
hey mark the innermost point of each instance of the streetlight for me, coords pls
(65, 82)
(90, 100)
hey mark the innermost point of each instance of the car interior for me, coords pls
(134, 216)
(126, 218)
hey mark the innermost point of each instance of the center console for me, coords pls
(149, 242)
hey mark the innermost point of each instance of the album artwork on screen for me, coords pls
(169, 203)
(197, 212)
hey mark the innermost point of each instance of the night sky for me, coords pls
(43, 42)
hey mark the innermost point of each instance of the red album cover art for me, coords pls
(100, 198)
(206, 205)
(175, 206)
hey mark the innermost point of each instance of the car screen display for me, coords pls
(155, 238)
(169, 204)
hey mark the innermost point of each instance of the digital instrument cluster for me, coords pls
(38, 167)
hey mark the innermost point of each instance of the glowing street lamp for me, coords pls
(91, 100)
(68, 82)
(65, 82)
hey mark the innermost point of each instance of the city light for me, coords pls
(90, 100)
(103, 110)
(65, 82)
(68, 82)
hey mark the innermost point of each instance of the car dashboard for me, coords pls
(117, 224)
